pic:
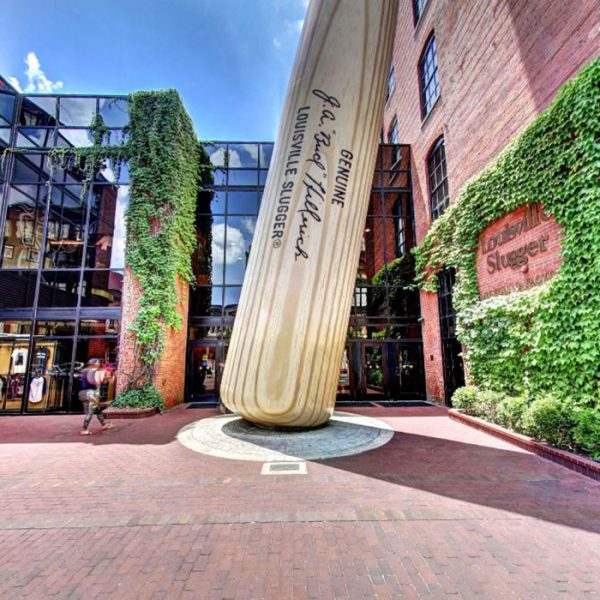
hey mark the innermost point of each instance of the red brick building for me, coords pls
(467, 78)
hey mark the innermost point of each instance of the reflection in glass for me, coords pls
(102, 288)
(23, 228)
(232, 299)
(106, 237)
(66, 228)
(54, 328)
(77, 112)
(35, 137)
(38, 110)
(7, 105)
(14, 354)
(218, 251)
(59, 288)
(242, 177)
(217, 154)
(49, 374)
(18, 288)
(77, 138)
(243, 155)
(266, 152)
(114, 111)
(242, 202)
(206, 301)
(239, 233)
(99, 326)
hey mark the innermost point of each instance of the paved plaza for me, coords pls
(441, 511)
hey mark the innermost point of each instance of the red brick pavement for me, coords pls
(441, 511)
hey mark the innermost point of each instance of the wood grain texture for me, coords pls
(286, 347)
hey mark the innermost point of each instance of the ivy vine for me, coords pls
(546, 339)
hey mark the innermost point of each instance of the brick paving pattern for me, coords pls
(442, 511)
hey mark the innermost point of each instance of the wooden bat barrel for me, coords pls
(284, 357)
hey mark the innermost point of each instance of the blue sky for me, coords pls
(229, 59)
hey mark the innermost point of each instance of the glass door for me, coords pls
(205, 369)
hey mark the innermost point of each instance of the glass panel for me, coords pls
(262, 177)
(211, 202)
(99, 326)
(102, 288)
(78, 112)
(220, 177)
(232, 299)
(30, 168)
(114, 112)
(5, 135)
(59, 288)
(266, 152)
(14, 353)
(204, 365)
(23, 228)
(54, 328)
(77, 138)
(113, 172)
(206, 301)
(242, 202)
(217, 153)
(18, 288)
(361, 330)
(95, 368)
(243, 155)
(49, 375)
(106, 237)
(242, 177)
(15, 328)
(239, 233)
(215, 262)
(7, 106)
(35, 137)
(66, 226)
(38, 110)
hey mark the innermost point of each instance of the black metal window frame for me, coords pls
(429, 82)
(437, 175)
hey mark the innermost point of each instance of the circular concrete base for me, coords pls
(230, 436)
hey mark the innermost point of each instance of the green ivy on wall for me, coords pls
(546, 339)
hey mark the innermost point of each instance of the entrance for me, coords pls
(386, 371)
(206, 361)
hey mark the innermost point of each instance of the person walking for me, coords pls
(92, 378)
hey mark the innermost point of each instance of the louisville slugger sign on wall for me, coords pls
(287, 342)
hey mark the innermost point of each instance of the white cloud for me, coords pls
(15, 83)
(36, 78)
(276, 43)
(217, 158)
(236, 244)
(249, 224)
(294, 26)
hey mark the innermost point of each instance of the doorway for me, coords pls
(206, 360)
(386, 370)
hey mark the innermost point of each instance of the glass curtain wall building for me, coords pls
(383, 357)
(62, 259)
(62, 252)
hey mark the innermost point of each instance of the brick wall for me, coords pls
(500, 64)
(169, 378)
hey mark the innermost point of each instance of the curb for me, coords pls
(580, 464)
(129, 413)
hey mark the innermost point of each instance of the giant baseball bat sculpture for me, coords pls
(286, 347)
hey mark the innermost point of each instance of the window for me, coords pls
(399, 234)
(438, 180)
(418, 8)
(428, 73)
(391, 84)
(393, 139)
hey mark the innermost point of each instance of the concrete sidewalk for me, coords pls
(441, 511)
